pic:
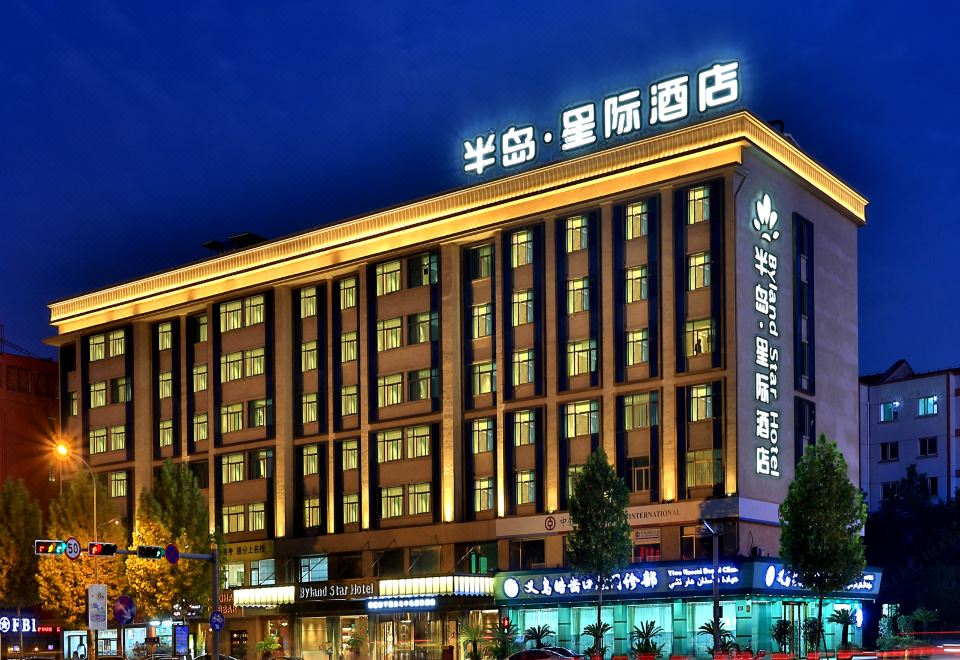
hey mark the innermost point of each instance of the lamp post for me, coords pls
(716, 585)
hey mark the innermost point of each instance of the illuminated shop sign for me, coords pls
(619, 115)
(391, 604)
(10, 623)
(336, 590)
(775, 576)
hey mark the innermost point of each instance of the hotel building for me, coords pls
(388, 411)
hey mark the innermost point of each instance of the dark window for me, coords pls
(425, 561)
(928, 446)
(422, 270)
(201, 471)
(349, 565)
(478, 558)
(526, 554)
(389, 563)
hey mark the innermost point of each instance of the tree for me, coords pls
(820, 523)
(600, 542)
(843, 618)
(63, 583)
(471, 635)
(537, 635)
(174, 511)
(20, 524)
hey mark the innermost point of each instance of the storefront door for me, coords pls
(795, 613)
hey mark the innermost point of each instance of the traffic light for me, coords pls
(102, 549)
(49, 547)
(505, 624)
(149, 552)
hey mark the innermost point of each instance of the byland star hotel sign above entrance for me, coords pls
(590, 125)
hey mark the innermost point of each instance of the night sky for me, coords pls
(130, 133)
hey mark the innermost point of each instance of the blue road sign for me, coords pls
(124, 611)
(171, 553)
(216, 621)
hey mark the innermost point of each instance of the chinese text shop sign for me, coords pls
(772, 576)
(623, 115)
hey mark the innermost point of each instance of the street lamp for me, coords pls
(715, 532)
(63, 451)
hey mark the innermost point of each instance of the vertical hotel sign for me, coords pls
(766, 339)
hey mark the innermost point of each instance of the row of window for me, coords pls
(390, 443)
(422, 384)
(417, 500)
(120, 392)
(259, 414)
(241, 313)
(113, 344)
(929, 486)
(890, 451)
(251, 517)
(234, 466)
(926, 406)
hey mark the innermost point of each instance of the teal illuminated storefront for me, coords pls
(678, 597)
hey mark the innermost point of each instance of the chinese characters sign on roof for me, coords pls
(618, 115)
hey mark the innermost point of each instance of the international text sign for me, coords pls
(619, 115)
(336, 590)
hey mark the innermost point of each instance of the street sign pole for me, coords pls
(215, 599)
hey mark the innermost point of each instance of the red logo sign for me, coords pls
(550, 523)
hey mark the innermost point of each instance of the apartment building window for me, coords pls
(164, 336)
(482, 316)
(419, 384)
(234, 518)
(581, 357)
(253, 361)
(98, 440)
(418, 441)
(200, 428)
(481, 433)
(889, 411)
(165, 385)
(351, 454)
(198, 328)
(522, 307)
(928, 446)
(391, 501)
(888, 490)
(308, 407)
(701, 402)
(311, 512)
(308, 356)
(638, 347)
(119, 390)
(118, 437)
(927, 405)
(389, 445)
(231, 417)
(523, 367)
(582, 418)
(351, 508)
(481, 262)
(314, 568)
(526, 487)
(698, 337)
(348, 400)
(524, 427)
(578, 295)
(484, 377)
(165, 432)
(635, 220)
(233, 468)
(422, 270)
(389, 390)
(640, 411)
(118, 484)
(636, 278)
(348, 293)
(97, 345)
(263, 572)
(638, 474)
(234, 573)
(929, 486)
(73, 404)
(98, 394)
(698, 205)
(698, 271)
(703, 467)
(260, 412)
(348, 346)
(199, 377)
(253, 310)
(578, 233)
(388, 277)
(311, 459)
(422, 327)
(418, 499)
(389, 334)
(118, 343)
(890, 451)
(521, 248)
(231, 367)
(308, 302)
(483, 494)
(231, 315)
(573, 472)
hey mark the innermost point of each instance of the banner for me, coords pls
(97, 607)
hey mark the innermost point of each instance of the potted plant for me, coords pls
(812, 634)
(537, 634)
(728, 643)
(502, 640)
(844, 618)
(643, 642)
(598, 650)
(471, 634)
(782, 634)
(355, 642)
(267, 646)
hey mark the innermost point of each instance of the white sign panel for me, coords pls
(97, 607)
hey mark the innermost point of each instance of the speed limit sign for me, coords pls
(73, 548)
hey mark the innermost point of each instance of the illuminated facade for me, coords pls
(410, 393)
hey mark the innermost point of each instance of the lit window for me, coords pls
(253, 310)
(199, 377)
(253, 361)
(165, 432)
(418, 441)
(233, 468)
(889, 411)
(314, 568)
(522, 307)
(890, 451)
(231, 367)
(97, 344)
(231, 417)
(521, 248)
(231, 315)
(351, 454)
(422, 270)
(389, 445)
(636, 287)
(389, 390)
(308, 356)
(419, 384)
(234, 573)
(419, 499)
(699, 337)
(263, 571)
(73, 404)
(481, 432)
(638, 474)
(698, 271)
(581, 357)
(701, 402)
(199, 327)
(117, 343)
(261, 464)
(98, 440)
(483, 494)
(348, 293)
(484, 377)
(640, 411)
(348, 400)
(118, 437)
(523, 367)
(311, 512)
(308, 302)
(200, 428)
(638, 347)
(578, 233)
(165, 385)
(698, 205)
(388, 277)
(348, 346)
(927, 405)
(928, 446)
(260, 412)
(526, 487)
(351, 508)
(422, 327)
(234, 518)
(308, 407)
(578, 295)
(120, 390)
(582, 417)
(482, 316)
(703, 467)
(389, 334)
(98, 394)
(311, 460)
(481, 262)
(391, 501)
(524, 427)
(573, 472)
(118, 484)
(635, 221)
(164, 336)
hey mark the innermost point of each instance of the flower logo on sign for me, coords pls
(766, 219)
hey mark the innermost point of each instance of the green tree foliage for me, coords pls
(600, 542)
(174, 511)
(820, 523)
(844, 618)
(63, 583)
(20, 524)
(538, 635)
(471, 636)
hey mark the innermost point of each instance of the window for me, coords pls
(389, 334)
(348, 293)
(164, 336)
(165, 385)
(889, 411)
(695, 543)
(483, 494)
(703, 467)
(308, 407)
(522, 307)
(260, 411)
(701, 402)
(418, 499)
(199, 328)
(263, 571)
(389, 445)
(524, 427)
(927, 405)
(165, 432)
(698, 271)
(73, 404)
(578, 295)
(699, 337)
(231, 315)
(311, 459)
(418, 441)
(422, 327)
(638, 347)
(521, 248)
(929, 486)
(638, 474)
(253, 361)
(581, 357)
(572, 472)
(388, 277)
(481, 433)
(482, 320)
(484, 377)
(351, 454)
(351, 508)
(199, 377)
(639, 411)
(233, 518)
(928, 446)
(481, 262)
(636, 278)
(348, 400)
(231, 367)
(635, 221)
(698, 205)
(233, 468)
(120, 390)
(234, 572)
(391, 501)
(888, 490)
(97, 344)
(231, 417)
(117, 343)
(578, 233)
(98, 440)
(422, 270)
(253, 310)
(200, 428)
(118, 437)
(419, 384)
(311, 512)
(646, 550)
(583, 418)
(314, 568)
(890, 451)
(308, 302)
(308, 356)
(523, 367)
(526, 487)
(348, 346)
(118, 484)
(98, 394)
(389, 390)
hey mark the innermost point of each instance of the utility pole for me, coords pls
(716, 585)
